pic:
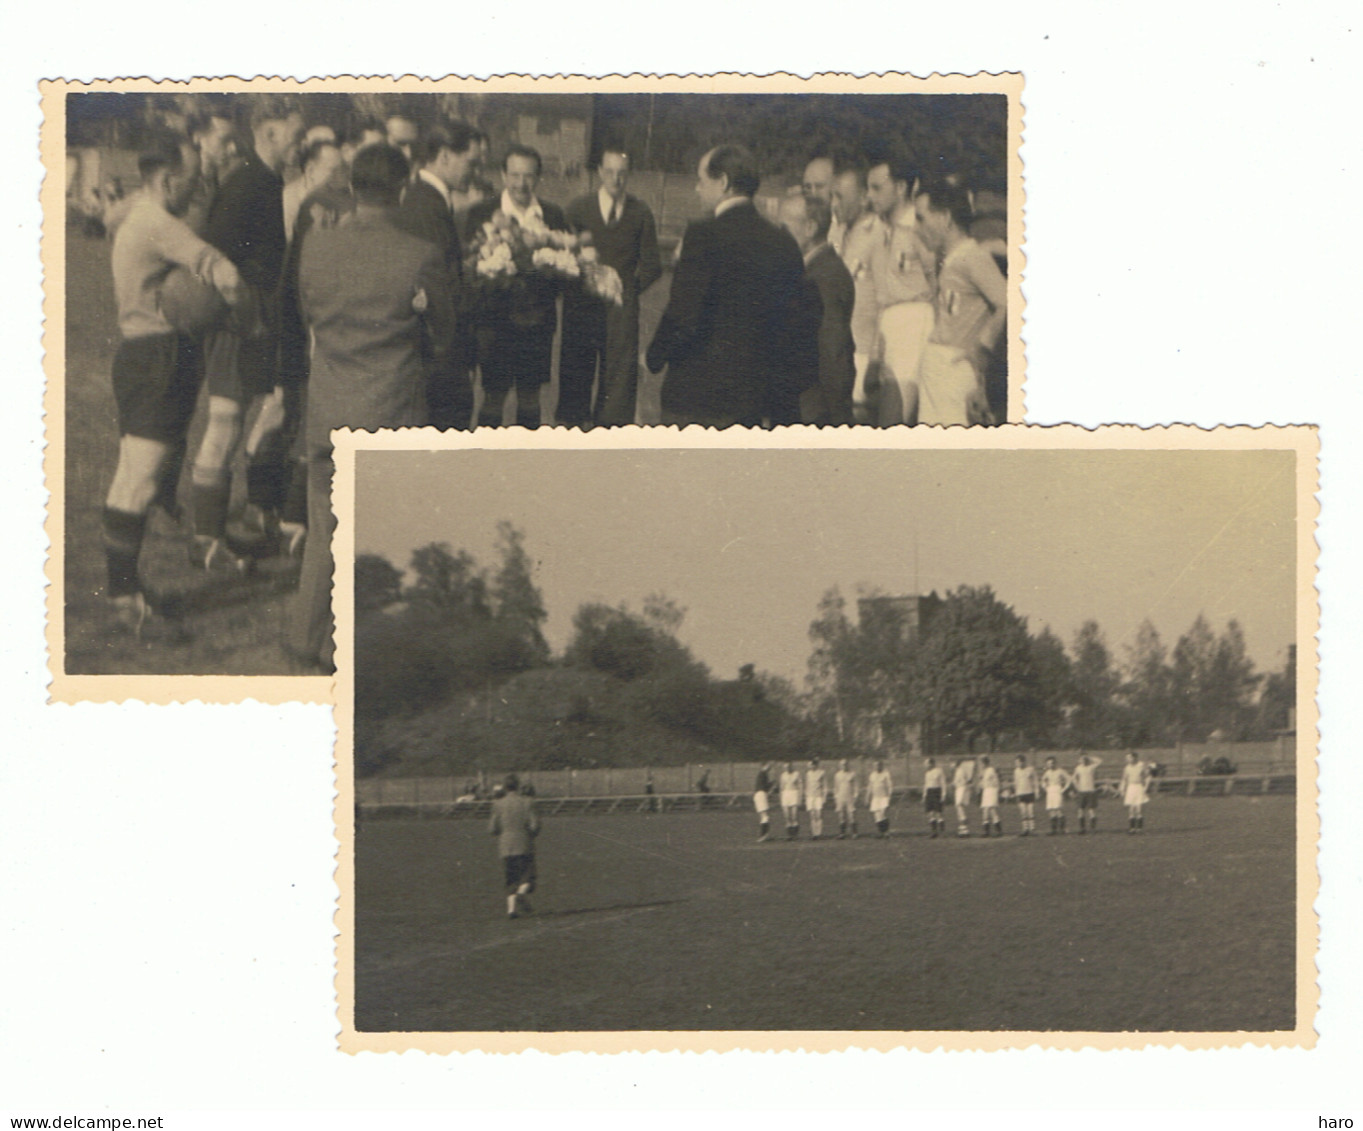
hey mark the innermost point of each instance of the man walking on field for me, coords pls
(880, 789)
(1085, 781)
(845, 799)
(1055, 781)
(816, 793)
(790, 799)
(515, 826)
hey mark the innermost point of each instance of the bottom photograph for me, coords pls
(655, 739)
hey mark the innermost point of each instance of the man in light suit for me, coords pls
(727, 334)
(600, 338)
(515, 327)
(828, 400)
(515, 826)
(448, 161)
(368, 292)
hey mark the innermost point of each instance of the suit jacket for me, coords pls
(324, 207)
(366, 290)
(515, 328)
(426, 213)
(729, 330)
(514, 824)
(630, 245)
(246, 223)
(837, 366)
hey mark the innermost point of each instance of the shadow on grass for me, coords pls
(563, 914)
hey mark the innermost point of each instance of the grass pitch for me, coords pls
(680, 921)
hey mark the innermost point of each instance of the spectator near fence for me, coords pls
(515, 826)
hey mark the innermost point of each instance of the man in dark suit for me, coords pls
(368, 293)
(828, 400)
(448, 161)
(600, 337)
(726, 336)
(515, 327)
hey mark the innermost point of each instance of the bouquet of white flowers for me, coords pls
(509, 254)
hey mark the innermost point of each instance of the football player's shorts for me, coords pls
(989, 798)
(1088, 799)
(789, 799)
(1055, 799)
(932, 800)
(1135, 794)
(814, 801)
(519, 870)
(156, 384)
(1026, 798)
(239, 367)
(760, 801)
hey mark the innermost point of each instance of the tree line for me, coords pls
(964, 672)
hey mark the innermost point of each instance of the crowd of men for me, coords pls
(315, 280)
(974, 784)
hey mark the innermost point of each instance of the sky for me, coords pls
(747, 541)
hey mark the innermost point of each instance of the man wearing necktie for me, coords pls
(601, 340)
(449, 160)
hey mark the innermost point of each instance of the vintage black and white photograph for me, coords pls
(999, 737)
(247, 267)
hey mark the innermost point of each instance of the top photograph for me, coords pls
(245, 265)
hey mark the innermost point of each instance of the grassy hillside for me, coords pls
(560, 717)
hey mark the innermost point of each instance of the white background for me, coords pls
(1193, 255)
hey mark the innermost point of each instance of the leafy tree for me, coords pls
(1094, 684)
(973, 674)
(378, 583)
(449, 582)
(1055, 689)
(519, 603)
(1212, 682)
(1148, 689)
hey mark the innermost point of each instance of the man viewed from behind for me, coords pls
(600, 339)
(971, 309)
(156, 367)
(516, 826)
(726, 336)
(904, 272)
(832, 295)
(370, 294)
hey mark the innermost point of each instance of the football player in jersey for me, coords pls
(790, 799)
(880, 789)
(962, 787)
(816, 792)
(934, 789)
(761, 799)
(1135, 791)
(989, 799)
(1055, 781)
(845, 799)
(1086, 783)
(1024, 787)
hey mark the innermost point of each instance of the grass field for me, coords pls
(230, 628)
(682, 922)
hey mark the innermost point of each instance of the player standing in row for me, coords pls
(962, 786)
(880, 789)
(1087, 785)
(989, 799)
(816, 792)
(1055, 781)
(845, 800)
(1024, 789)
(790, 799)
(761, 799)
(934, 789)
(1135, 780)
